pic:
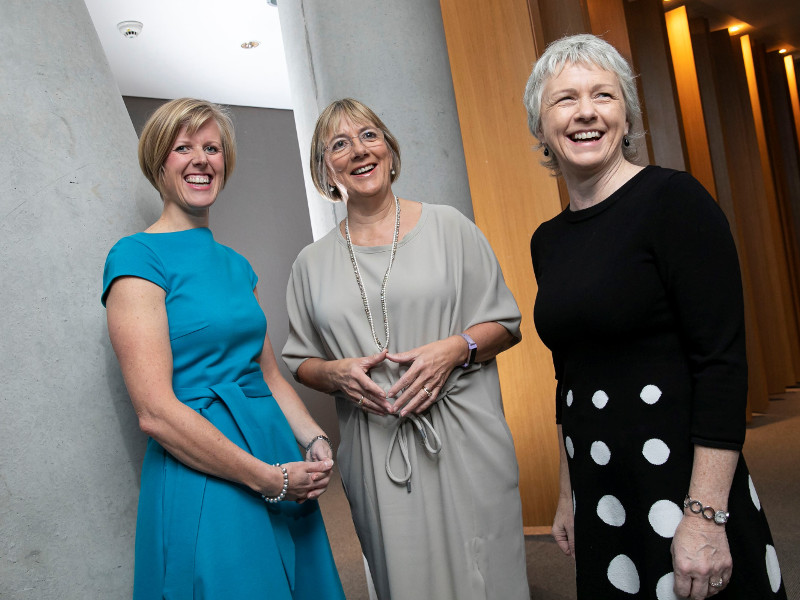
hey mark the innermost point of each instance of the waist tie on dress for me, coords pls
(400, 439)
(190, 484)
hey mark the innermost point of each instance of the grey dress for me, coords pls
(454, 530)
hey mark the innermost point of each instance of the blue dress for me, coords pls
(197, 536)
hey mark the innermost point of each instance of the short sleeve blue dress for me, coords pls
(197, 536)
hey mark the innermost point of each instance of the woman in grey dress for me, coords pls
(399, 313)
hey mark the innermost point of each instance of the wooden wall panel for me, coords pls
(694, 127)
(492, 49)
(716, 121)
(784, 289)
(748, 196)
(791, 78)
(647, 34)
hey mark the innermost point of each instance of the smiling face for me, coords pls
(583, 119)
(194, 171)
(364, 168)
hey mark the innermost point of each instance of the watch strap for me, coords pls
(473, 350)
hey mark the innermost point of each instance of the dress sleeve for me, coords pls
(129, 257)
(698, 264)
(557, 364)
(303, 342)
(485, 295)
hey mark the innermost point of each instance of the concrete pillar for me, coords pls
(70, 451)
(393, 57)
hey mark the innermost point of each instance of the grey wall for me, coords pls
(69, 451)
(392, 56)
(262, 214)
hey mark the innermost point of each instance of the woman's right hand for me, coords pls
(307, 480)
(564, 526)
(351, 377)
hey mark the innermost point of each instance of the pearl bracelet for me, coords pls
(285, 488)
(319, 437)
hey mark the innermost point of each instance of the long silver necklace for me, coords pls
(381, 347)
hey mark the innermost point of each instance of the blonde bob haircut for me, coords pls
(327, 123)
(590, 51)
(164, 125)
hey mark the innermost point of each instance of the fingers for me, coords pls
(418, 402)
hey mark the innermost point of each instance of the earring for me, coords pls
(625, 141)
(546, 151)
(392, 171)
(332, 189)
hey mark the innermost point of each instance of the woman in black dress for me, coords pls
(640, 302)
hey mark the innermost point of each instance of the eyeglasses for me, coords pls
(342, 144)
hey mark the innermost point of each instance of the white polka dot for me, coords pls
(611, 511)
(665, 588)
(773, 569)
(569, 398)
(600, 453)
(623, 575)
(664, 517)
(650, 394)
(600, 399)
(568, 445)
(655, 451)
(753, 495)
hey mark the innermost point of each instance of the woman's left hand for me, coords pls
(700, 557)
(430, 366)
(319, 450)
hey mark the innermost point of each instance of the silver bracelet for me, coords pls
(720, 517)
(285, 488)
(319, 437)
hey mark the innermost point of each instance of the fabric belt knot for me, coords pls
(189, 484)
(430, 440)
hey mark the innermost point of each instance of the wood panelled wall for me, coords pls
(492, 47)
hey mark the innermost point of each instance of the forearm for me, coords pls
(197, 443)
(564, 483)
(303, 425)
(712, 475)
(491, 338)
(317, 374)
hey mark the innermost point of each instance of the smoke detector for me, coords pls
(130, 29)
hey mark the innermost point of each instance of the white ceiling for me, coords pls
(193, 48)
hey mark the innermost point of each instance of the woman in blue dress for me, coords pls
(227, 503)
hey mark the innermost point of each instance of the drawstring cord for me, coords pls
(399, 438)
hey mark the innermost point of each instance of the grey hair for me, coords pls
(587, 50)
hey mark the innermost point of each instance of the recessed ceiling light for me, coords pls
(250, 45)
(130, 29)
(782, 51)
(735, 28)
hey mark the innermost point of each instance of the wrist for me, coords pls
(471, 351)
(694, 507)
(282, 475)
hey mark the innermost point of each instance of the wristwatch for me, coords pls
(473, 350)
(720, 517)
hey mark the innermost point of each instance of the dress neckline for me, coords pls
(412, 233)
(574, 216)
(203, 229)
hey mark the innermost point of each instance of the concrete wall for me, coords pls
(69, 447)
(393, 57)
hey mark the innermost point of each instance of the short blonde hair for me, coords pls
(164, 125)
(328, 121)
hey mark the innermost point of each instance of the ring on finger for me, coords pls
(717, 584)
(424, 389)
(361, 401)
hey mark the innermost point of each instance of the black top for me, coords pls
(650, 271)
